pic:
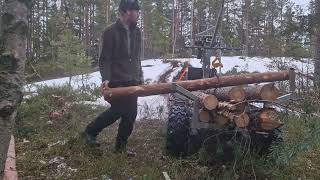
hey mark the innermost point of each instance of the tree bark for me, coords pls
(317, 48)
(231, 94)
(262, 92)
(199, 84)
(13, 32)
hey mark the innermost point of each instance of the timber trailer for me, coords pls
(253, 126)
(218, 113)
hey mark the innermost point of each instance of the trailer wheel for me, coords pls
(179, 141)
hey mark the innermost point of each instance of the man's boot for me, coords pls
(120, 147)
(89, 140)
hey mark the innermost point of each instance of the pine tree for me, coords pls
(317, 43)
(71, 58)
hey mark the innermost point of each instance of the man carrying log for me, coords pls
(120, 66)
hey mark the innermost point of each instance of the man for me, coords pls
(120, 66)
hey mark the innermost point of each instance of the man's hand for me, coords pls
(104, 86)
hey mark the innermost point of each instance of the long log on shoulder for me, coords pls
(267, 92)
(199, 84)
(231, 94)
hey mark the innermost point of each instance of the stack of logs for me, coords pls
(230, 104)
(224, 103)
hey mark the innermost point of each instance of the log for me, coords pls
(267, 92)
(208, 101)
(232, 93)
(237, 109)
(267, 120)
(194, 85)
(227, 105)
(226, 114)
(204, 116)
(242, 120)
(220, 120)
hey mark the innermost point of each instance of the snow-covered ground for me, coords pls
(155, 106)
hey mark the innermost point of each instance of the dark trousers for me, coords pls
(124, 108)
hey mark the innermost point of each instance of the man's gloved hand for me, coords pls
(104, 86)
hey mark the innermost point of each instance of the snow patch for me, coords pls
(155, 106)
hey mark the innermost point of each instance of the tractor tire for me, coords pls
(179, 141)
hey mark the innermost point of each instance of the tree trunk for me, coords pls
(86, 24)
(317, 48)
(191, 26)
(246, 26)
(107, 11)
(13, 32)
(232, 94)
(199, 84)
(173, 28)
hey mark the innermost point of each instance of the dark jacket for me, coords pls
(118, 64)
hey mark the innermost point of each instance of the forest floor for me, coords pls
(49, 147)
(51, 118)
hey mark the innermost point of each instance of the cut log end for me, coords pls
(210, 102)
(268, 120)
(204, 116)
(242, 120)
(237, 94)
(220, 120)
(269, 92)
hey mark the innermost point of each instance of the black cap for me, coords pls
(129, 5)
